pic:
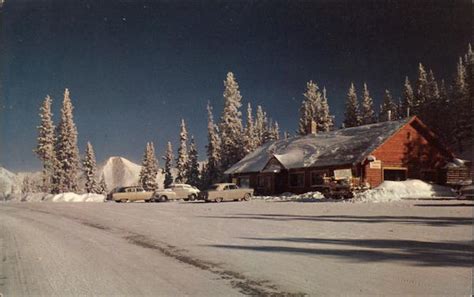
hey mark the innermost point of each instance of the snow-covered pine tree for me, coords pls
(422, 93)
(276, 131)
(367, 113)
(193, 172)
(388, 107)
(67, 153)
(102, 188)
(286, 135)
(432, 106)
(231, 124)
(326, 120)
(149, 168)
(305, 118)
(408, 100)
(183, 158)
(90, 170)
(250, 137)
(46, 141)
(260, 125)
(168, 164)
(463, 107)
(351, 114)
(213, 172)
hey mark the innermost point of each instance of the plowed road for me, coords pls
(414, 247)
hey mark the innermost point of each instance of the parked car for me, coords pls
(226, 192)
(185, 191)
(164, 195)
(135, 193)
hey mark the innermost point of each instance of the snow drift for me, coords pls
(397, 190)
(63, 197)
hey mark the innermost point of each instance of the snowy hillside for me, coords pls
(121, 172)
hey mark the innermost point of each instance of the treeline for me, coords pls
(445, 108)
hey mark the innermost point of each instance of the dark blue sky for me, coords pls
(135, 68)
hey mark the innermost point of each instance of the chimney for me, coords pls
(311, 128)
(389, 115)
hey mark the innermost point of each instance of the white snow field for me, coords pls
(63, 197)
(397, 190)
(419, 247)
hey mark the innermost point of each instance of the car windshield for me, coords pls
(214, 187)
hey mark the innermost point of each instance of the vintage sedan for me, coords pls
(185, 191)
(129, 194)
(226, 192)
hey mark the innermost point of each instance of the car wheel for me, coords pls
(246, 197)
(163, 199)
(147, 200)
(219, 199)
(192, 197)
(118, 201)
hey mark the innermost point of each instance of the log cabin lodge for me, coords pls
(367, 155)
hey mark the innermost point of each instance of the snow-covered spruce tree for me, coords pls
(286, 135)
(326, 120)
(351, 114)
(168, 157)
(45, 147)
(149, 169)
(213, 172)
(67, 153)
(388, 107)
(260, 125)
(102, 188)
(183, 158)
(231, 124)
(422, 93)
(367, 113)
(463, 107)
(250, 137)
(90, 170)
(408, 100)
(193, 173)
(276, 131)
(310, 108)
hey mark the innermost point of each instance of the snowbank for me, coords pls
(310, 196)
(397, 190)
(63, 197)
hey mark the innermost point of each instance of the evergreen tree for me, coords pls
(408, 100)
(193, 177)
(182, 159)
(260, 125)
(90, 169)
(45, 147)
(367, 113)
(286, 135)
(250, 137)
(422, 91)
(231, 124)
(351, 115)
(388, 107)
(312, 109)
(102, 188)
(213, 172)
(168, 165)
(149, 169)
(463, 107)
(276, 131)
(325, 122)
(67, 153)
(305, 118)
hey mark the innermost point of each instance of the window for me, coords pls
(297, 180)
(244, 182)
(395, 174)
(317, 178)
(226, 188)
(233, 187)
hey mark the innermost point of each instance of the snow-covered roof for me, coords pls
(339, 147)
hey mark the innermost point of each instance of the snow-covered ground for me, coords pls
(403, 248)
(63, 197)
